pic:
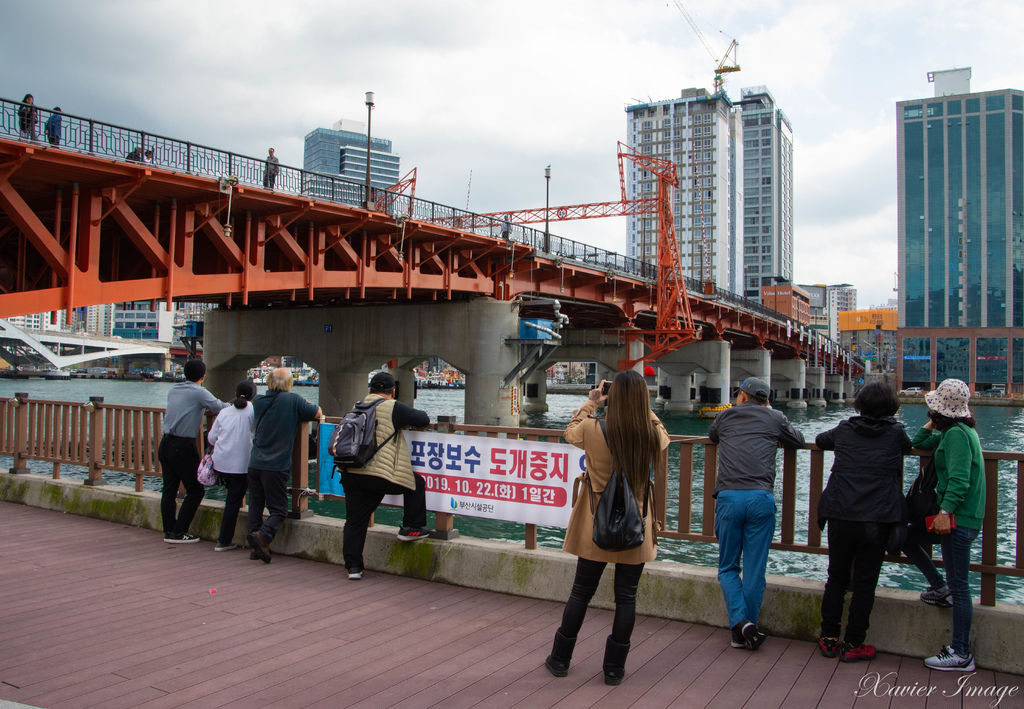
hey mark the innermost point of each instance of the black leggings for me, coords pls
(588, 574)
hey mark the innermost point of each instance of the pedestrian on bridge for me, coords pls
(27, 118)
(633, 441)
(52, 128)
(748, 436)
(178, 454)
(270, 171)
(278, 415)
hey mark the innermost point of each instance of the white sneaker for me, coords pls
(949, 661)
(225, 547)
(183, 539)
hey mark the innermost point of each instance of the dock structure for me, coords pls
(96, 614)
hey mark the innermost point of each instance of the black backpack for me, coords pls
(354, 440)
(922, 501)
(618, 521)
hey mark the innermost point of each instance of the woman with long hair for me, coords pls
(231, 438)
(634, 442)
(960, 490)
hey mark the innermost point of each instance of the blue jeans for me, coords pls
(744, 525)
(956, 557)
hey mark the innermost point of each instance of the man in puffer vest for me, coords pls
(389, 472)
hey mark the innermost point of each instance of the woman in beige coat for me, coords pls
(636, 441)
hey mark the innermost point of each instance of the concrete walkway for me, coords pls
(95, 614)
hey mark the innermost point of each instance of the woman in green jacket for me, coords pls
(961, 495)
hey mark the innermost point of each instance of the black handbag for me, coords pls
(922, 502)
(618, 522)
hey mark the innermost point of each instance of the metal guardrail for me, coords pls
(120, 438)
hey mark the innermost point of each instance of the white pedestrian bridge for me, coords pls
(52, 348)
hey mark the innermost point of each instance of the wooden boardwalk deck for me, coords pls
(94, 614)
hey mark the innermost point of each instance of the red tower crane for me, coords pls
(674, 326)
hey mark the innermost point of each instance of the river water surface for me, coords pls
(1000, 428)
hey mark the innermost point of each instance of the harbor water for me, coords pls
(1000, 428)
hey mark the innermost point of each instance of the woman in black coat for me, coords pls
(862, 503)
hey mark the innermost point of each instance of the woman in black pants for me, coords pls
(633, 442)
(862, 502)
(231, 438)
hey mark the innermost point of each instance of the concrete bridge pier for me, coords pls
(815, 378)
(709, 361)
(224, 370)
(788, 383)
(834, 392)
(849, 389)
(750, 363)
(674, 390)
(535, 391)
(345, 343)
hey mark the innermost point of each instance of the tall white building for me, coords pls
(767, 192)
(699, 132)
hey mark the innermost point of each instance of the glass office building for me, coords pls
(341, 150)
(961, 235)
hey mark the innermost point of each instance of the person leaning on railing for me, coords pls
(960, 467)
(231, 438)
(636, 441)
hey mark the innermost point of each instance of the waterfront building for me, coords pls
(960, 172)
(341, 151)
(143, 320)
(871, 335)
(789, 300)
(826, 302)
(701, 133)
(767, 192)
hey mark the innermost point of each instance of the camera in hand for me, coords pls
(605, 387)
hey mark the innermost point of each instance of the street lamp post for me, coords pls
(547, 202)
(369, 117)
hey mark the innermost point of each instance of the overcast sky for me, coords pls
(501, 89)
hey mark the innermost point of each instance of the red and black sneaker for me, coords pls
(829, 647)
(412, 534)
(855, 653)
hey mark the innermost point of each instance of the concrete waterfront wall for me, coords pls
(900, 623)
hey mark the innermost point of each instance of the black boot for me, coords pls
(561, 653)
(614, 661)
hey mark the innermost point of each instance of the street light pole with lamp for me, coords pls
(369, 117)
(547, 202)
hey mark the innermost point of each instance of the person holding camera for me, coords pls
(634, 441)
(960, 468)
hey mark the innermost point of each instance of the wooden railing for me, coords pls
(100, 436)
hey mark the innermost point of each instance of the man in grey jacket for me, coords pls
(748, 436)
(179, 457)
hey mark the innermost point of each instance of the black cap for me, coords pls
(381, 382)
(756, 388)
(194, 370)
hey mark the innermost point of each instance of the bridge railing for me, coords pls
(86, 135)
(105, 437)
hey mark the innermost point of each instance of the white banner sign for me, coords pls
(496, 478)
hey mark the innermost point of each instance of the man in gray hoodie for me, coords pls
(748, 436)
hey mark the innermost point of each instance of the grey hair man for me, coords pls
(278, 414)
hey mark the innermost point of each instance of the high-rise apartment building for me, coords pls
(341, 150)
(699, 132)
(961, 224)
(826, 303)
(767, 192)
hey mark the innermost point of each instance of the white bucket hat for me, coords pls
(950, 399)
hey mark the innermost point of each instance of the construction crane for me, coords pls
(722, 66)
(387, 197)
(674, 326)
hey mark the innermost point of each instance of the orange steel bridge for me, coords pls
(82, 224)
